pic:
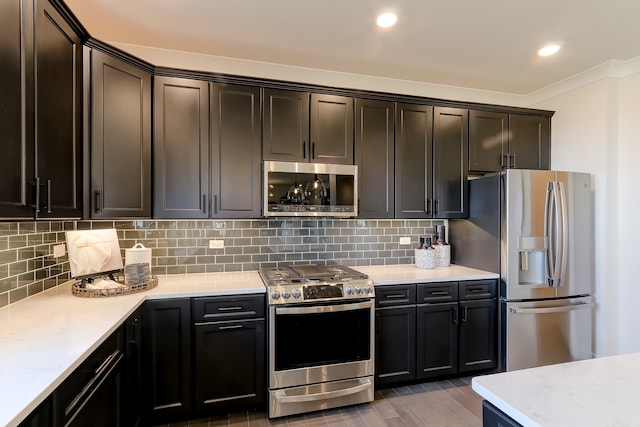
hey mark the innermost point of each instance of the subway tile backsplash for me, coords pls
(182, 246)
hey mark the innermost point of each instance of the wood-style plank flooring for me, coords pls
(449, 403)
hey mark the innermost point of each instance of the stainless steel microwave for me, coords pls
(310, 189)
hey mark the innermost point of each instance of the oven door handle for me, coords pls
(324, 308)
(365, 383)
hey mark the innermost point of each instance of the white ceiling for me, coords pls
(480, 44)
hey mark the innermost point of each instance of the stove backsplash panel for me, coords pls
(182, 246)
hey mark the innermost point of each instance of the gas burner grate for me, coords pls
(308, 272)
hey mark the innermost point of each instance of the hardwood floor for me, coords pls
(440, 403)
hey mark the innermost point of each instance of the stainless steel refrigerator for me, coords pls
(534, 228)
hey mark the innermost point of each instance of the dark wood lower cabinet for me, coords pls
(94, 392)
(395, 344)
(133, 360)
(494, 417)
(229, 364)
(453, 330)
(478, 335)
(437, 343)
(42, 416)
(166, 351)
(194, 366)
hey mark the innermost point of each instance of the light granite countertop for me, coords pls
(595, 392)
(45, 337)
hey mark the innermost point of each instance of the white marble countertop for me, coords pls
(596, 392)
(409, 273)
(45, 337)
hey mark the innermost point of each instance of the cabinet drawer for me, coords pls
(76, 391)
(213, 309)
(395, 295)
(478, 289)
(437, 292)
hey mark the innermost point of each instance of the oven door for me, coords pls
(317, 343)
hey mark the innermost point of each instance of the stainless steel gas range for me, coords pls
(321, 337)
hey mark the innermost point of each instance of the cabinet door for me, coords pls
(120, 139)
(331, 129)
(285, 134)
(133, 378)
(478, 335)
(437, 340)
(488, 141)
(374, 154)
(529, 142)
(166, 351)
(235, 151)
(414, 157)
(395, 344)
(181, 148)
(450, 162)
(229, 364)
(58, 114)
(16, 161)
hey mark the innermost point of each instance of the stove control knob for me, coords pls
(359, 290)
(296, 293)
(286, 294)
(275, 295)
(349, 290)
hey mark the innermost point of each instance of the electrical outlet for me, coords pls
(59, 250)
(405, 240)
(216, 244)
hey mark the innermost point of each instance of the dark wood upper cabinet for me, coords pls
(501, 140)
(331, 129)
(307, 127)
(120, 138)
(181, 148)
(58, 114)
(488, 141)
(285, 134)
(529, 141)
(450, 144)
(16, 161)
(235, 151)
(40, 112)
(207, 149)
(414, 160)
(375, 157)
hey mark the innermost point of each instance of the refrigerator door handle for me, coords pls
(554, 229)
(544, 310)
(564, 234)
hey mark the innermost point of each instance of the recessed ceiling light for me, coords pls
(387, 19)
(549, 50)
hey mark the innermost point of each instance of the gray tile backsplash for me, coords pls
(182, 246)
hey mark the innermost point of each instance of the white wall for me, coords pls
(596, 129)
(240, 67)
(628, 209)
